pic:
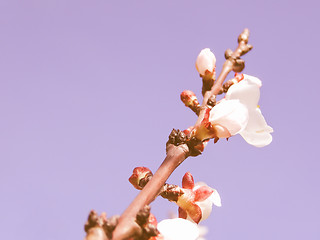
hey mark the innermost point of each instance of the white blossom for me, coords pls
(239, 113)
(178, 229)
(257, 132)
(229, 117)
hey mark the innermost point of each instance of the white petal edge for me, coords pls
(257, 132)
(206, 205)
(256, 122)
(215, 198)
(203, 230)
(230, 114)
(206, 208)
(178, 229)
(257, 139)
(246, 91)
(252, 79)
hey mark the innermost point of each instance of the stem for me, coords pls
(175, 156)
(96, 233)
(127, 227)
(226, 69)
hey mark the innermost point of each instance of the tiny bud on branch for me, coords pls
(140, 177)
(190, 100)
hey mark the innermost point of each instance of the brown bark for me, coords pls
(127, 226)
(175, 156)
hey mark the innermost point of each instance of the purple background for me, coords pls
(90, 89)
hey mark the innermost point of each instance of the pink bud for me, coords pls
(187, 181)
(140, 176)
(188, 98)
(206, 62)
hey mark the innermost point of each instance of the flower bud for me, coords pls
(196, 202)
(206, 63)
(140, 177)
(189, 98)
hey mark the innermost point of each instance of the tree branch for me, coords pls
(127, 226)
(175, 156)
(96, 233)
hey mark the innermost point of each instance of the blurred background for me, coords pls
(90, 89)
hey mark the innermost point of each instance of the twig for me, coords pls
(127, 225)
(96, 233)
(232, 63)
(94, 226)
(175, 156)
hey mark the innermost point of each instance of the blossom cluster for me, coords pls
(195, 201)
(238, 112)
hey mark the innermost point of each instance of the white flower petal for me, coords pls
(205, 61)
(206, 205)
(178, 229)
(230, 114)
(206, 208)
(203, 230)
(252, 79)
(215, 198)
(257, 122)
(246, 91)
(257, 132)
(199, 184)
(257, 139)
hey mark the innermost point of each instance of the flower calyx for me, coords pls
(207, 130)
